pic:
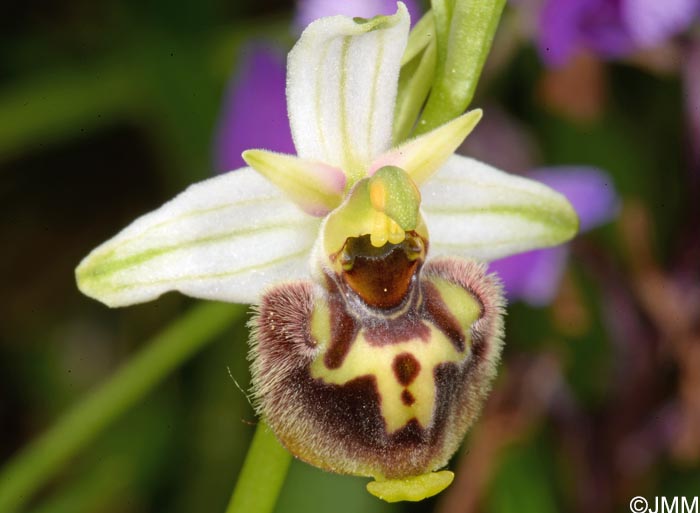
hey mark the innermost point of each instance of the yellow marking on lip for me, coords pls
(365, 359)
(461, 303)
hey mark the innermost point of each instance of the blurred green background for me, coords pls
(107, 109)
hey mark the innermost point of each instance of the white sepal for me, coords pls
(226, 238)
(476, 211)
(342, 78)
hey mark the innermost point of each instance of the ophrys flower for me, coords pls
(368, 357)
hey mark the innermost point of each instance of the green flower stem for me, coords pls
(465, 30)
(165, 352)
(262, 475)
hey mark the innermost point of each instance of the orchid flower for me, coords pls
(369, 358)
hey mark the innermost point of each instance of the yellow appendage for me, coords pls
(412, 489)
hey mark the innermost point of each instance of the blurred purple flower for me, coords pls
(534, 276)
(254, 111)
(310, 10)
(609, 28)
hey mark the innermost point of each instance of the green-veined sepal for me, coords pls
(226, 238)
(341, 89)
(476, 211)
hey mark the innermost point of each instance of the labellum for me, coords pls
(380, 367)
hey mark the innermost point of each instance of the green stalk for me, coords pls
(262, 476)
(23, 475)
(465, 31)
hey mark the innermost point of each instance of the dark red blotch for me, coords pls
(406, 368)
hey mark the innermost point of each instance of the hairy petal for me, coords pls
(341, 88)
(476, 211)
(315, 187)
(226, 238)
(423, 156)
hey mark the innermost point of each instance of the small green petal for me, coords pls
(315, 187)
(411, 489)
(424, 156)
